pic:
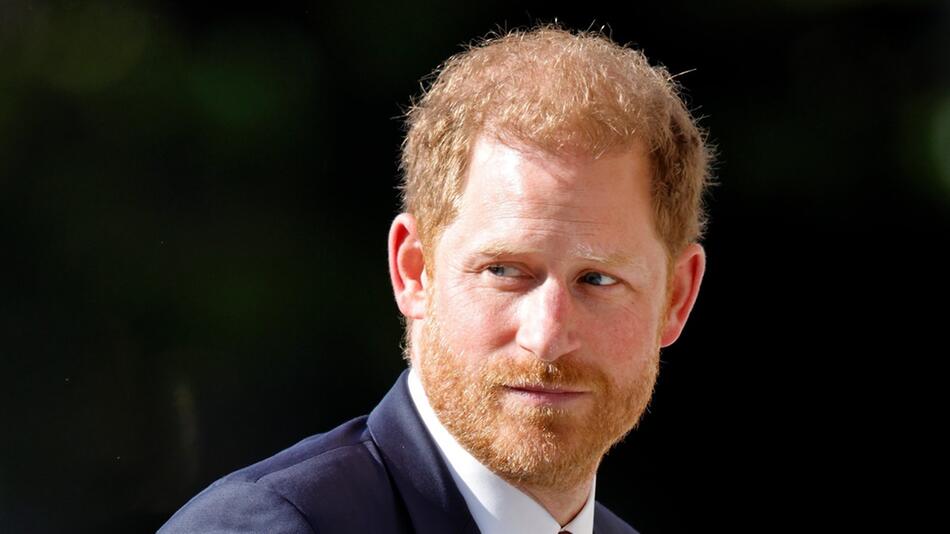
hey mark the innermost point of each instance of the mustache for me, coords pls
(565, 374)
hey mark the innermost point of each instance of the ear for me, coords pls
(685, 279)
(407, 266)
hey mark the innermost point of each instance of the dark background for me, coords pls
(194, 202)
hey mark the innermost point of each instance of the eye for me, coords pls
(598, 279)
(506, 271)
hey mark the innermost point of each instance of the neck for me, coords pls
(562, 504)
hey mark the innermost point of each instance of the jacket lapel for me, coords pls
(428, 490)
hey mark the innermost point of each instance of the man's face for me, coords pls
(540, 343)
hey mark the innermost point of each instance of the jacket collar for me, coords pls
(432, 500)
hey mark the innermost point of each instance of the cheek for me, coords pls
(474, 323)
(623, 340)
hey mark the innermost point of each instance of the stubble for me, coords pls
(530, 445)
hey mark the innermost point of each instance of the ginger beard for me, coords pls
(530, 445)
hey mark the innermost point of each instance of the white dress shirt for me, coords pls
(496, 506)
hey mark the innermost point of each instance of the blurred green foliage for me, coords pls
(940, 141)
(195, 202)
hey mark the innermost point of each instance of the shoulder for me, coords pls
(607, 522)
(345, 453)
(233, 506)
(319, 484)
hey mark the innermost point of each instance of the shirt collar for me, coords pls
(496, 506)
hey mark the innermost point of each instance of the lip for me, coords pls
(545, 394)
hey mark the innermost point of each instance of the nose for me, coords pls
(546, 322)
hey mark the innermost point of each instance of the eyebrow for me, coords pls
(583, 252)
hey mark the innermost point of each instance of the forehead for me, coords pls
(517, 197)
(516, 177)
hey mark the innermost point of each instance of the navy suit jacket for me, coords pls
(375, 474)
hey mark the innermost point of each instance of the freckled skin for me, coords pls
(551, 209)
(551, 260)
(537, 325)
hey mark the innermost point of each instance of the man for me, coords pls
(548, 250)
